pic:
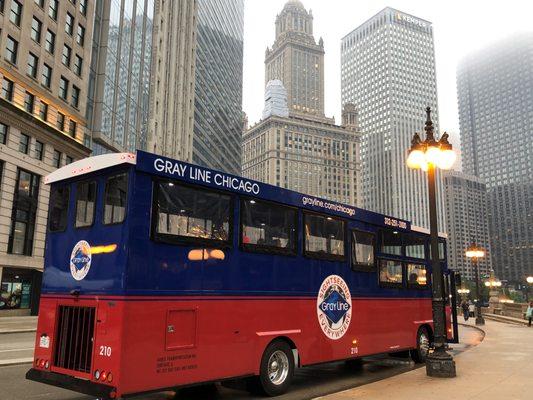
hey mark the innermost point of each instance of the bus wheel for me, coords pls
(277, 369)
(422, 346)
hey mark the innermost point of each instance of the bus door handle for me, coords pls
(170, 329)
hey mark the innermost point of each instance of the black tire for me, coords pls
(274, 383)
(423, 341)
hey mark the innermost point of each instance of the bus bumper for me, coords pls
(72, 383)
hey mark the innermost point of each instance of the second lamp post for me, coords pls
(474, 252)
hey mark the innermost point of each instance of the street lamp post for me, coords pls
(428, 155)
(529, 281)
(474, 252)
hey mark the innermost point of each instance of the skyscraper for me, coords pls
(45, 50)
(171, 119)
(218, 85)
(297, 60)
(495, 95)
(119, 80)
(388, 72)
(465, 197)
(294, 145)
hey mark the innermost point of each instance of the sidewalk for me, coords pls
(498, 368)
(18, 324)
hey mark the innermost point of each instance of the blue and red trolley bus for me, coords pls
(161, 274)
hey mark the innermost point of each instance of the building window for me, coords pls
(63, 88)
(16, 287)
(2, 3)
(60, 123)
(7, 89)
(16, 12)
(11, 50)
(69, 24)
(36, 27)
(39, 150)
(68, 160)
(83, 7)
(75, 96)
(67, 53)
(50, 41)
(52, 9)
(33, 62)
(3, 133)
(40, 3)
(47, 75)
(78, 63)
(80, 38)
(56, 162)
(29, 102)
(43, 111)
(72, 128)
(24, 143)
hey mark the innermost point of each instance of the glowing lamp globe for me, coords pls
(529, 279)
(433, 155)
(416, 159)
(447, 159)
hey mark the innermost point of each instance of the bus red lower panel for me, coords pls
(150, 343)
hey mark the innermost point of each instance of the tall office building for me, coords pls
(171, 120)
(495, 94)
(388, 72)
(294, 145)
(465, 197)
(218, 85)
(119, 78)
(297, 60)
(45, 48)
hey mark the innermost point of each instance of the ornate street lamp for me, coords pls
(464, 292)
(529, 281)
(474, 252)
(429, 155)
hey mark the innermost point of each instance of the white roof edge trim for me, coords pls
(90, 164)
(425, 230)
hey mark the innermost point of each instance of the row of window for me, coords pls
(25, 144)
(7, 92)
(115, 195)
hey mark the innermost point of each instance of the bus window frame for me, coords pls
(190, 240)
(391, 285)
(96, 191)
(257, 248)
(354, 265)
(106, 178)
(428, 276)
(69, 188)
(326, 256)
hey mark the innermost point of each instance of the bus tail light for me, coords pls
(37, 362)
(97, 375)
(110, 377)
(103, 376)
(41, 363)
(47, 364)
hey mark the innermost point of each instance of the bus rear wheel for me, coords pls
(423, 341)
(276, 371)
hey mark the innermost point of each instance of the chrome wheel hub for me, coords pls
(423, 343)
(278, 367)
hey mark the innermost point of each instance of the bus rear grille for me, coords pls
(75, 337)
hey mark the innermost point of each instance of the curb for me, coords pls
(497, 318)
(16, 361)
(476, 328)
(5, 332)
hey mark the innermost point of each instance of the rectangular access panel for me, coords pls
(181, 329)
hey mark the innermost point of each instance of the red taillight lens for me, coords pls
(109, 377)
(103, 376)
(41, 363)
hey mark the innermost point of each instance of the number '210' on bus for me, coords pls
(161, 274)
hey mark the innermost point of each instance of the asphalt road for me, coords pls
(308, 383)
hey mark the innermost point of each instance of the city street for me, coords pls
(308, 383)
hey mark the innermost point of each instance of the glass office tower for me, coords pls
(218, 87)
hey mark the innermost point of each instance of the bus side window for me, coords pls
(417, 276)
(324, 237)
(59, 199)
(390, 273)
(391, 242)
(116, 190)
(85, 201)
(363, 251)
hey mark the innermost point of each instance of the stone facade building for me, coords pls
(465, 197)
(45, 50)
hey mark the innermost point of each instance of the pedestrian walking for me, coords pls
(472, 308)
(529, 313)
(466, 310)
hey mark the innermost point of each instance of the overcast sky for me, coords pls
(459, 27)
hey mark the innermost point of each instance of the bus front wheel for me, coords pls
(423, 341)
(277, 369)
